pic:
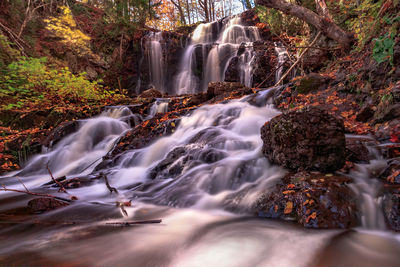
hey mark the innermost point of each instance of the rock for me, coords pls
(312, 200)
(391, 174)
(185, 158)
(60, 132)
(386, 112)
(151, 93)
(356, 151)
(309, 139)
(264, 65)
(391, 209)
(44, 204)
(366, 113)
(91, 73)
(312, 82)
(225, 88)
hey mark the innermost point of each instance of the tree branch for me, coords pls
(324, 25)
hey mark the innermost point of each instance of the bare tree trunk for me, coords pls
(327, 27)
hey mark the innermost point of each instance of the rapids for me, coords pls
(201, 181)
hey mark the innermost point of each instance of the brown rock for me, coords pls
(44, 204)
(151, 93)
(312, 200)
(309, 139)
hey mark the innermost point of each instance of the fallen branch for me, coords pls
(35, 194)
(134, 222)
(112, 189)
(62, 188)
(297, 61)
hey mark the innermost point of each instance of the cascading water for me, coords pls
(209, 167)
(156, 61)
(216, 47)
(283, 57)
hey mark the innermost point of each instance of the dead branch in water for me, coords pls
(112, 189)
(34, 194)
(62, 188)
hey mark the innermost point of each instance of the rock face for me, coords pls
(308, 139)
(312, 200)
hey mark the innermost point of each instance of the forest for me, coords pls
(199, 133)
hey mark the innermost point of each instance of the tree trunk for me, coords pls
(326, 26)
(177, 4)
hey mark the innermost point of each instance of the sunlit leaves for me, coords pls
(65, 27)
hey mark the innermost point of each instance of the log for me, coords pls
(327, 27)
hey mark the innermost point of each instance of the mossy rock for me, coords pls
(311, 83)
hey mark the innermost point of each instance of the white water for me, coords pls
(217, 48)
(156, 62)
(283, 57)
(212, 167)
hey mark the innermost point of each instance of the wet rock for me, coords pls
(391, 174)
(366, 113)
(147, 132)
(386, 112)
(387, 131)
(264, 64)
(185, 158)
(391, 209)
(44, 204)
(312, 200)
(222, 90)
(151, 93)
(356, 151)
(311, 82)
(231, 73)
(309, 139)
(60, 132)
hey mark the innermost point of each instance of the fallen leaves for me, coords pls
(288, 207)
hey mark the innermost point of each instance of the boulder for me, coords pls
(151, 93)
(224, 89)
(311, 82)
(391, 209)
(312, 200)
(308, 139)
(356, 151)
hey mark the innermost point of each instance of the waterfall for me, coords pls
(156, 62)
(217, 47)
(283, 57)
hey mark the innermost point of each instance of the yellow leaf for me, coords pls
(289, 207)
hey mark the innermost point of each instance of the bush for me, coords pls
(32, 81)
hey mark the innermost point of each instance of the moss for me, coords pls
(307, 85)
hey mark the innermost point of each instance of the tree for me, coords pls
(322, 23)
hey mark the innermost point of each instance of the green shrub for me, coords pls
(383, 48)
(31, 80)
